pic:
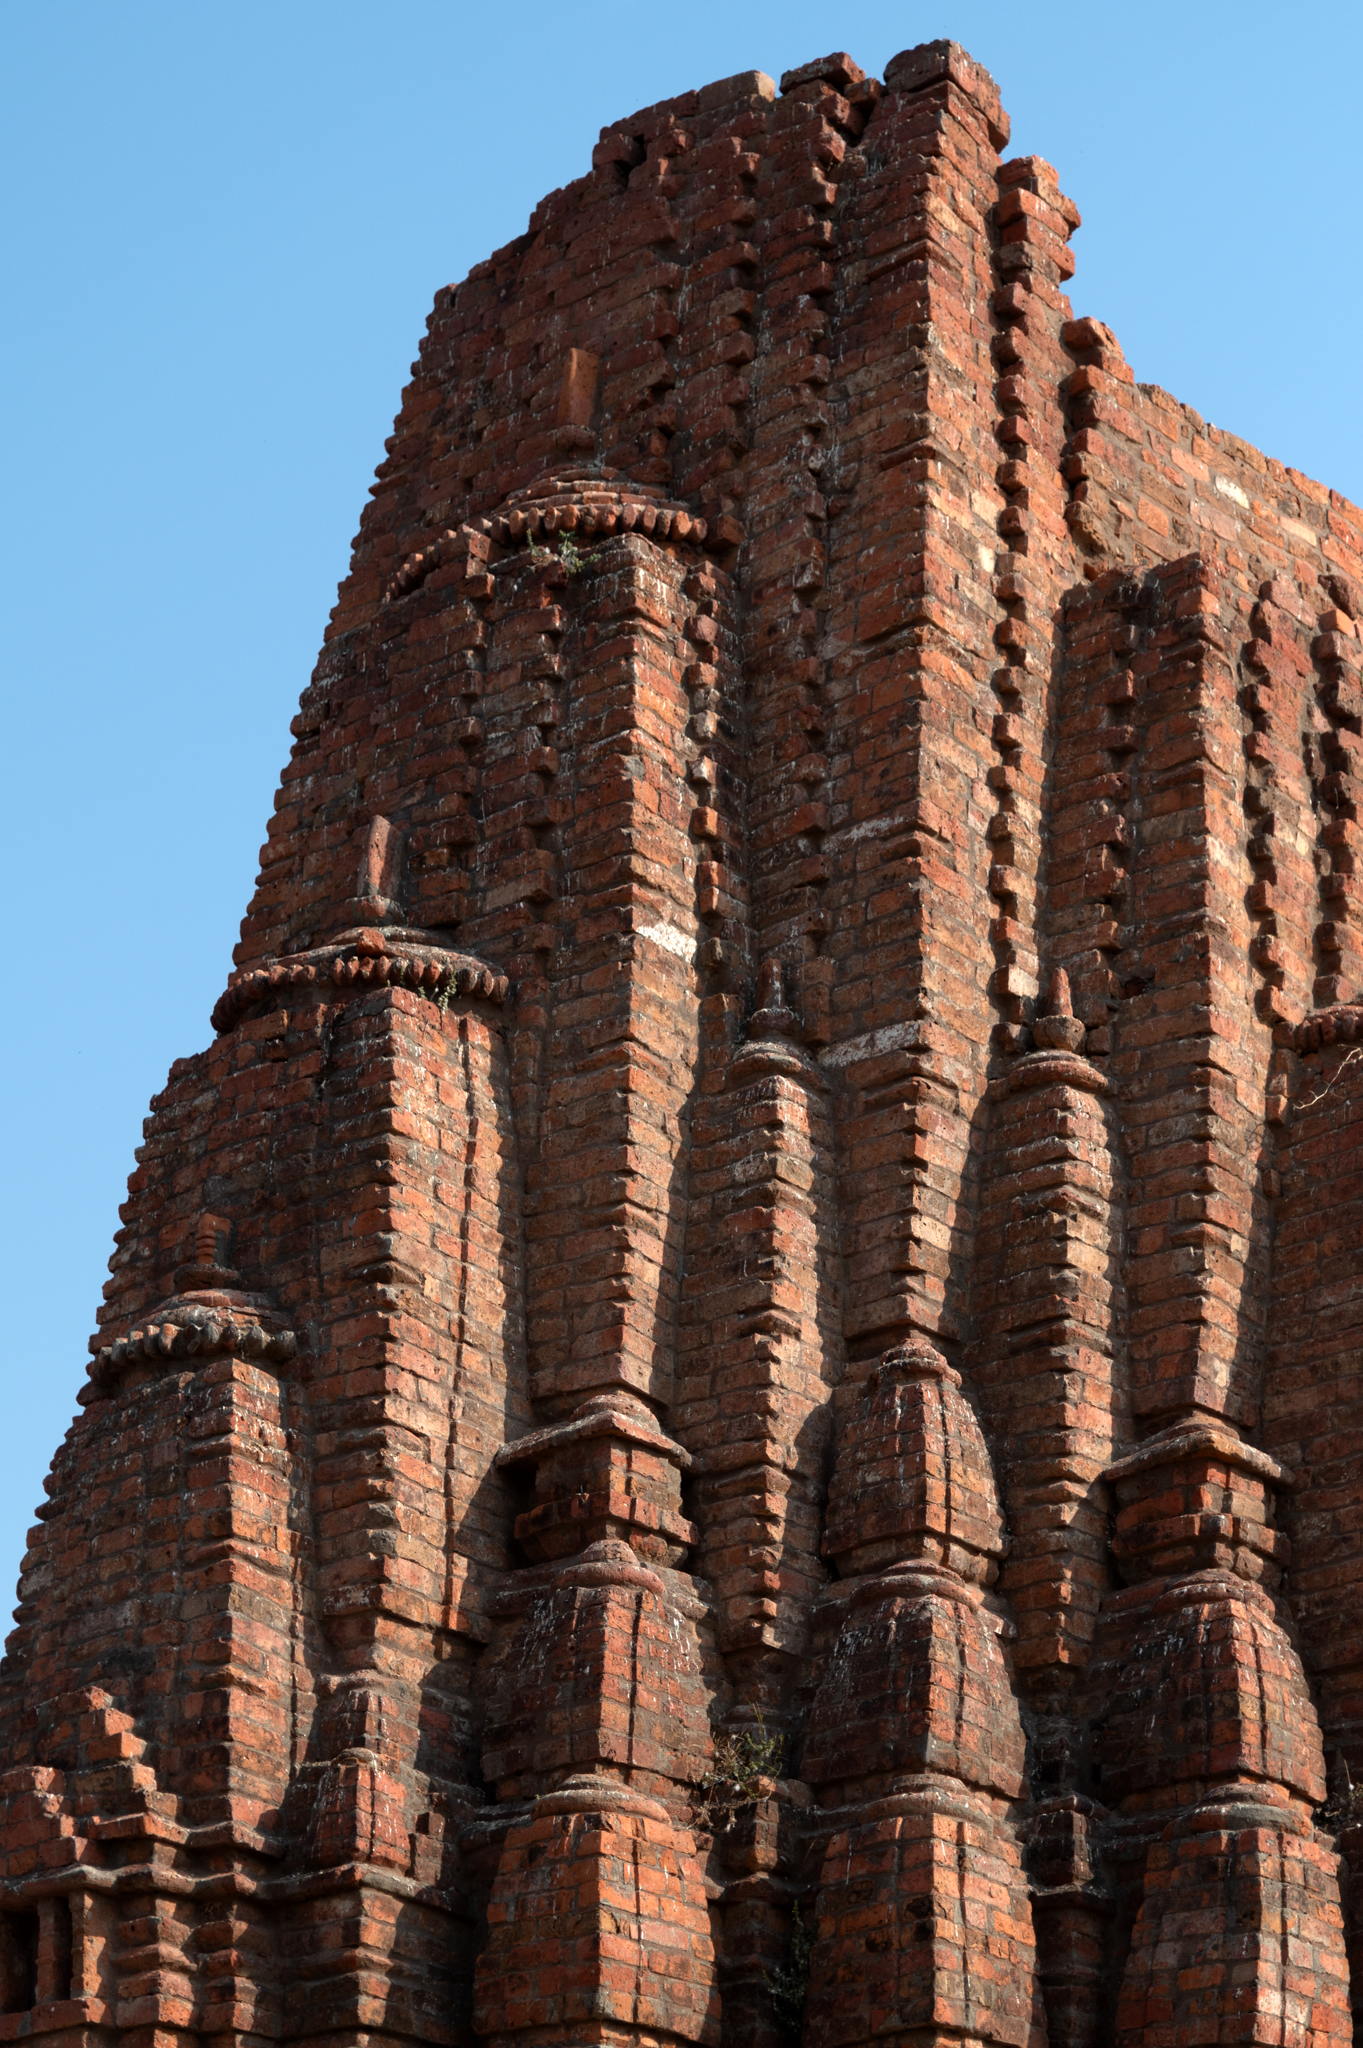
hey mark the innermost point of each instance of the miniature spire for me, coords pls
(1056, 1027)
(772, 1018)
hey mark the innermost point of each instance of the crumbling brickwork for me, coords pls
(729, 1404)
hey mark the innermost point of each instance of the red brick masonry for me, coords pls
(732, 1397)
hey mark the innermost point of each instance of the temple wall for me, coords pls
(726, 1407)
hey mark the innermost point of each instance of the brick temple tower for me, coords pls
(729, 1404)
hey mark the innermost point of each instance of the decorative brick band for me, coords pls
(1199, 1440)
(1342, 1025)
(594, 512)
(197, 1332)
(589, 507)
(614, 1420)
(590, 1792)
(1055, 1070)
(361, 960)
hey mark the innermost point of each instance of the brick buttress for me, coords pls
(728, 1407)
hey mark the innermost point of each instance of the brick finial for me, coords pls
(209, 1249)
(1056, 1023)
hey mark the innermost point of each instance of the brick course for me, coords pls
(746, 1339)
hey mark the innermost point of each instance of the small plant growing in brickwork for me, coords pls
(788, 1983)
(574, 559)
(1345, 1802)
(745, 1767)
(402, 974)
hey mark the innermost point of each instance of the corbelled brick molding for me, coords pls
(730, 1402)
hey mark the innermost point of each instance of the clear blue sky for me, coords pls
(225, 224)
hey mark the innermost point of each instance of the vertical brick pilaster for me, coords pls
(1313, 1400)
(915, 1748)
(1189, 1060)
(761, 1347)
(908, 647)
(604, 1211)
(1049, 1343)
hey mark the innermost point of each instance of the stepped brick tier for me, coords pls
(731, 1402)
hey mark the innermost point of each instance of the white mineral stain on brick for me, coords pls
(667, 936)
(1230, 490)
(871, 1044)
